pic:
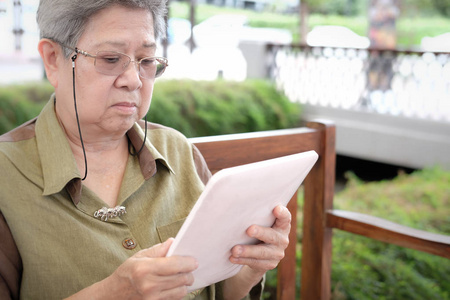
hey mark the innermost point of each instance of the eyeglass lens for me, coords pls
(114, 63)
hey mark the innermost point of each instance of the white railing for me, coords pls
(404, 83)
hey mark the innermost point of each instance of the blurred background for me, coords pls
(380, 69)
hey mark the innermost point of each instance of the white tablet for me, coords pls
(233, 200)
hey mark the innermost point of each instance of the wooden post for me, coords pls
(286, 273)
(316, 242)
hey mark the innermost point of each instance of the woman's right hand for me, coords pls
(148, 274)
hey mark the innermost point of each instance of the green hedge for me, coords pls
(364, 268)
(20, 103)
(210, 108)
(194, 108)
(368, 269)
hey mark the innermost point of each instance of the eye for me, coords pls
(110, 59)
(145, 62)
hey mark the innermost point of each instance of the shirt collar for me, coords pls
(59, 168)
(149, 153)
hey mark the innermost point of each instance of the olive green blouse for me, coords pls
(52, 245)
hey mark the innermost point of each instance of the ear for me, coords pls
(53, 58)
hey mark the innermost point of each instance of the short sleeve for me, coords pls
(10, 263)
(200, 165)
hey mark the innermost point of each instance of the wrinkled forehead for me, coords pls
(120, 27)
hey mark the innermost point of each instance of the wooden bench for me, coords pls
(319, 218)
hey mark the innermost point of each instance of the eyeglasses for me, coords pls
(115, 63)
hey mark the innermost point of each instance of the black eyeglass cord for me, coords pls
(74, 57)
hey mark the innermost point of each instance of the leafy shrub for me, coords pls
(368, 269)
(221, 107)
(20, 103)
(194, 108)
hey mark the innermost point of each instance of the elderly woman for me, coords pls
(90, 196)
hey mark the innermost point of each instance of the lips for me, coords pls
(126, 104)
(126, 107)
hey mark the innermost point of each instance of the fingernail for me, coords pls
(253, 232)
(238, 251)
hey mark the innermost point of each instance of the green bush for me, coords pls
(221, 107)
(20, 103)
(194, 108)
(368, 269)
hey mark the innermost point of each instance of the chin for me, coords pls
(125, 125)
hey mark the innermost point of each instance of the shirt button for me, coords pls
(129, 244)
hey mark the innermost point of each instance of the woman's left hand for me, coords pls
(258, 259)
(266, 255)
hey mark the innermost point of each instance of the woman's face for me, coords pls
(110, 104)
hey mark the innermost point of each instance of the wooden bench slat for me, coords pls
(238, 149)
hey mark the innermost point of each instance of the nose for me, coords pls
(137, 66)
(132, 62)
(130, 77)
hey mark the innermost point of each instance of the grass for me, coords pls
(410, 29)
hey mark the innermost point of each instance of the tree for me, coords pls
(442, 6)
(305, 7)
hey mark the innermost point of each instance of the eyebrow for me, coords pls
(122, 44)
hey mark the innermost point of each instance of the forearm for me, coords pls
(97, 291)
(107, 289)
(239, 286)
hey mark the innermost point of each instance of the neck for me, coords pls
(100, 151)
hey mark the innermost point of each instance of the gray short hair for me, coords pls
(64, 20)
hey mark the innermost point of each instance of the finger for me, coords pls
(165, 266)
(271, 236)
(168, 287)
(174, 281)
(283, 218)
(158, 250)
(256, 264)
(175, 293)
(154, 260)
(258, 252)
(175, 264)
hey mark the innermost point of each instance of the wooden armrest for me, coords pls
(390, 232)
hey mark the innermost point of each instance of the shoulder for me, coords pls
(23, 132)
(15, 143)
(19, 154)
